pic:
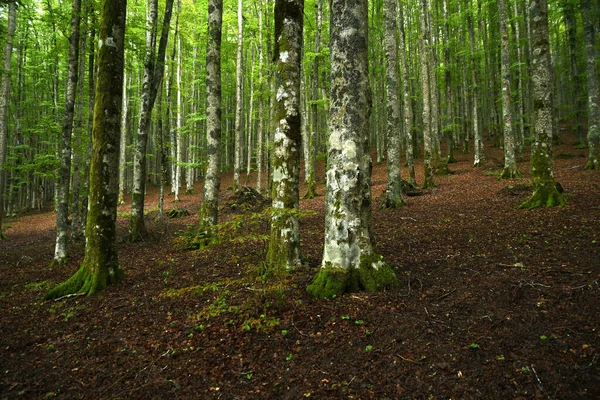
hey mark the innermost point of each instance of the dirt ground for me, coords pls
(496, 303)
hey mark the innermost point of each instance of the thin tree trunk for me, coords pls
(153, 74)
(350, 262)
(591, 55)
(478, 140)
(393, 191)
(4, 99)
(178, 122)
(123, 141)
(239, 102)
(100, 266)
(261, 88)
(408, 112)
(426, 86)
(62, 214)
(511, 171)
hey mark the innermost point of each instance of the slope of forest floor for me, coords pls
(496, 303)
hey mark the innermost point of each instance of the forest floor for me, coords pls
(496, 303)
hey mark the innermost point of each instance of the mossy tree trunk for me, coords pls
(349, 259)
(393, 191)
(11, 27)
(510, 170)
(545, 192)
(64, 176)
(479, 155)
(284, 244)
(593, 135)
(209, 210)
(154, 67)
(101, 265)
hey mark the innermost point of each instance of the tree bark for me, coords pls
(4, 99)
(284, 245)
(428, 181)
(64, 178)
(591, 54)
(153, 73)
(209, 210)
(350, 262)
(101, 265)
(239, 102)
(393, 191)
(479, 155)
(510, 171)
(545, 192)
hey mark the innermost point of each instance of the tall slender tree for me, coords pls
(427, 88)
(209, 210)
(393, 191)
(593, 105)
(101, 264)
(4, 99)
(239, 101)
(64, 177)
(479, 156)
(510, 170)
(284, 243)
(545, 188)
(154, 67)
(350, 262)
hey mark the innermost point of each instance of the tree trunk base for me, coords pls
(510, 172)
(548, 195)
(311, 192)
(332, 282)
(88, 280)
(590, 165)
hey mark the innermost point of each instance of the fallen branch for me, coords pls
(446, 294)
(69, 296)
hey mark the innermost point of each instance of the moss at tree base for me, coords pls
(331, 282)
(311, 191)
(511, 172)
(544, 195)
(592, 164)
(86, 280)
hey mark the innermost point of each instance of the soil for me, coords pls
(496, 303)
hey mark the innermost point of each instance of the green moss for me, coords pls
(510, 172)
(331, 282)
(544, 195)
(88, 280)
(311, 191)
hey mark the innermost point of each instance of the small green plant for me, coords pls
(359, 322)
(345, 317)
(50, 348)
(500, 357)
(284, 332)
(289, 357)
(474, 346)
(66, 316)
(543, 337)
(368, 348)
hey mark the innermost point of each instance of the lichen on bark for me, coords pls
(284, 243)
(349, 260)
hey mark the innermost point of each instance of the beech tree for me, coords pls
(153, 74)
(393, 191)
(350, 262)
(510, 170)
(239, 101)
(100, 266)
(284, 243)
(4, 97)
(64, 178)
(545, 187)
(593, 103)
(210, 193)
(427, 88)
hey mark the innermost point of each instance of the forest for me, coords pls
(299, 198)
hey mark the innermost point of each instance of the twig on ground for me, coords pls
(538, 380)
(446, 294)
(69, 296)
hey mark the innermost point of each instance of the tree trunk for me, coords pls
(239, 102)
(64, 179)
(4, 99)
(393, 191)
(101, 265)
(408, 112)
(349, 259)
(261, 87)
(284, 244)
(122, 154)
(545, 192)
(210, 193)
(593, 135)
(178, 122)
(153, 74)
(511, 171)
(426, 86)
(479, 156)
